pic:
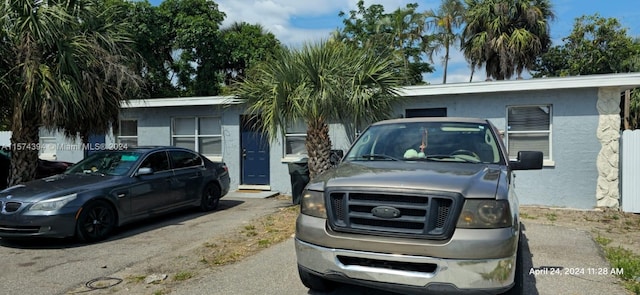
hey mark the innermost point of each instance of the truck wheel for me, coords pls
(314, 282)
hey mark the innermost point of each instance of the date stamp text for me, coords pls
(575, 271)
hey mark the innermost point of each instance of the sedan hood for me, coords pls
(470, 180)
(55, 186)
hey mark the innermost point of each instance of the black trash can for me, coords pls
(299, 172)
(5, 167)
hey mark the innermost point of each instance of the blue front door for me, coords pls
(254, 153)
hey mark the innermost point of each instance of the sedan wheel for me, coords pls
(96, 222)
(210, 197)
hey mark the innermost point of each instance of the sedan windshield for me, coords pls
(427, 141)
(106, 163)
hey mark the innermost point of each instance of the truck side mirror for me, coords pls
(527, 160)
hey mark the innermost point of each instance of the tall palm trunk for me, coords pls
(473, 70)
(318, 146)
(24, 143)
(446, 63)
(24, 128)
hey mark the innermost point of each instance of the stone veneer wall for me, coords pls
(608, 133)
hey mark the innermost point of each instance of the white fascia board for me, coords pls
(623, 81)
(181, 101)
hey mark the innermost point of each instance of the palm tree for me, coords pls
(402, 30)
(319, 84)
(445, 22)
(65, 65)
(506, 35)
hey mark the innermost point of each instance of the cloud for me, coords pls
(295, 22)
(276, 16)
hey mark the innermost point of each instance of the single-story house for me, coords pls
(574, 121)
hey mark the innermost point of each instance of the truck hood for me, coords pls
(55, 186)
(470, 180)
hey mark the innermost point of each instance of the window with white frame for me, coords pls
(128, 132)
(295, 137)
(201, 134)
(529, 129)
(48, 147)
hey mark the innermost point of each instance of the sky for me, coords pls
(295, 22)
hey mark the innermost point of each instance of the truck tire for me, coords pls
(315, 282)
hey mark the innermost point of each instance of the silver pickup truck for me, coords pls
(421, 205)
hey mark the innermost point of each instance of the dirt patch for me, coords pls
(618, 227)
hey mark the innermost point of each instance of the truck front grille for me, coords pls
(425, 216)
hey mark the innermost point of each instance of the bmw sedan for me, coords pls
(111, 188)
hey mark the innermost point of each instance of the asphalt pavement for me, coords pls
(558, 260)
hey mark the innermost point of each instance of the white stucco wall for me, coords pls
(569, 180)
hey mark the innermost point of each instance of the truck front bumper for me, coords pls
(408, 273)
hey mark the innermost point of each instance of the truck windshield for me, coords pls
(427, 141)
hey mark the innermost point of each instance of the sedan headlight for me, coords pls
(485, 214)
(312, 203)
(53, 204)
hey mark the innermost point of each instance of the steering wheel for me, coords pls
(464, 152)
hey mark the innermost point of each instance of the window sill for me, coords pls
(293, 158)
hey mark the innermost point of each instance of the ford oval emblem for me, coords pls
(385, 212)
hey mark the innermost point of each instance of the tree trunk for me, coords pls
(473, 70)
(318, 145)
(24, 147)
(446, 64)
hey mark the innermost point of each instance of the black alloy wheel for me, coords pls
(96, 222)
(210, 197)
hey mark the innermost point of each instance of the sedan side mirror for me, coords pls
(144, 171)
(527, 160)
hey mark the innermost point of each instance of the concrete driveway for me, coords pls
(558, 260)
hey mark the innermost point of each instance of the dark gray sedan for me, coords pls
(111, 188)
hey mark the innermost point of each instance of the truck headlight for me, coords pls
(53, 204)
(485, 214)
(312, 203)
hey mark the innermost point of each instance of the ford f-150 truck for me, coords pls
(419, 205)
